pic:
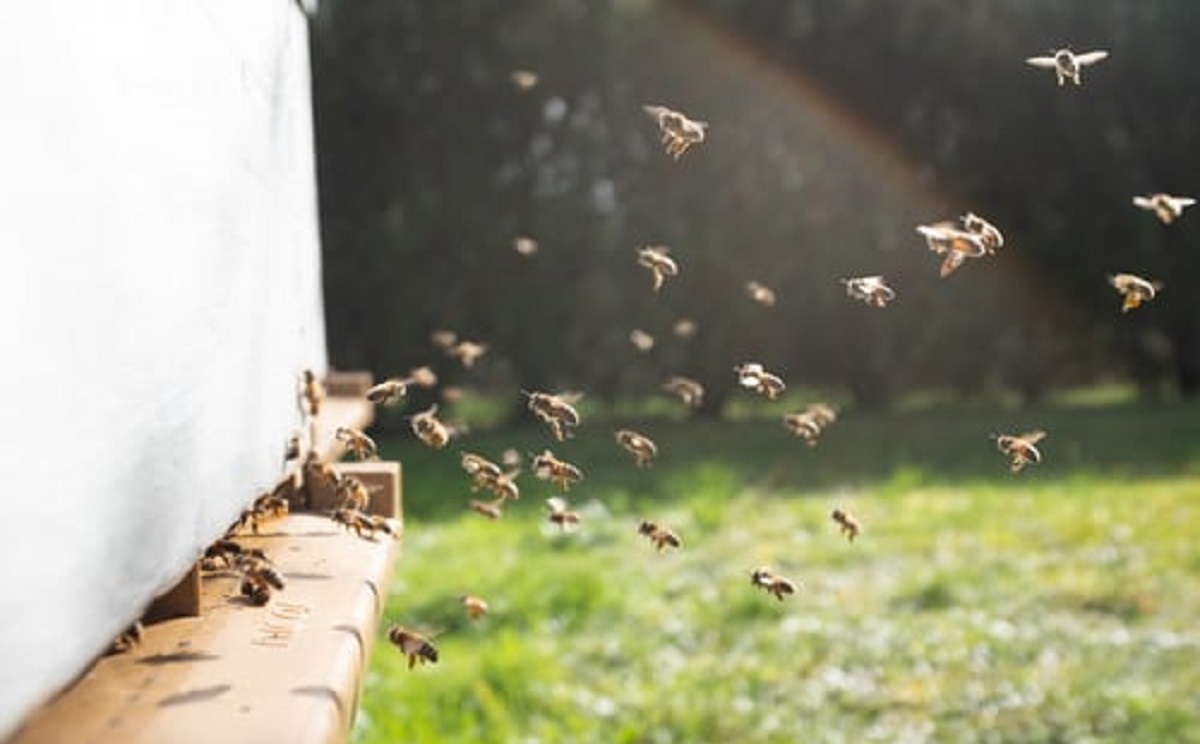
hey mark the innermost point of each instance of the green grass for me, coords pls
(1059, 605)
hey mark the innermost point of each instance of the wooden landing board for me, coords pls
(287, 672)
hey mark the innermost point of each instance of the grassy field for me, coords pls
(1057, 605)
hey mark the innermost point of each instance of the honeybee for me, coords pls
(359, 444)
(662, 537)
(389, 392)
(1166, 207)
(641, 340)
(1020, 448)
(523, 79)
(259, 576)
(753, 376)
(364, 525)
(870, 289)
(468, 353)
(525, 245)
(317, 471)
(760, 293)
(661, 265)
(269, 505)
(422, 377)
(476, 607)
(562, 474)
(413, 645)
(355, 494)
(312, 394)
(510, 458)
(1066, 64)
(688, 390)
(429, 429)
(954, 245)
(127, 639)
(560, 514)
(483, 471)
(678, 131)
(505, 485)
(556, 412)
(765, 577)
(684, 328)
(639, 445)
(809, 423)
(1134, 289)
(443, 339)
(493, 509)
(224, 550)
(847, 524)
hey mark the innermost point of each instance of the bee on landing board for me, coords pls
(661, 265)
(476, 607)
(1066, 64)
(415, 646)
(561, 515)
(678, 131)
(1020, 448)
(753, 376)
(1134, 289)
(774, 584)
(689, 391)
(640, 446)
(847, 524)
(359, 444)
(562, 474)
(1164, 206)
(662, 537)
(364, 525)
(870, 289)
(259, 577)
(127, 639)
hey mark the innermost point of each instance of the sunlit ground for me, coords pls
(1055, 605)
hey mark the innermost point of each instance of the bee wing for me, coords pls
(1033, 437)
(1184, 201)
(1090, 58)
(1144, 202)
(556, 505)
(656, 112)
(1044, 62)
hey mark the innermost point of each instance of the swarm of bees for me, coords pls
(1020, 448)
(662, 537)
(870, 289)
(810, 422)
(1165, 207)
(678, 131)
(752, 376)
(1134, 289)
(1066, 64)
(774, 584)
(847, 524)
(661, 265)
(643, 449)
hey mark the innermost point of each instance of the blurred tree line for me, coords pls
(836, 127)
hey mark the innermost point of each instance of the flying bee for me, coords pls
(312, 393)
(443, 339)
(505, 485)
(954, 245)
(684, 328)
(483, 471)
(753, 376)
(359, 444)
(559, 472)
(641, 340)
(422, 377)
(643, 449)
(1066, 64)
(560, 514)
(662, 537)
(678, 131)
(416, 647)
(847, 524)
(524, 245)
(1134, 289)
(870, 289)
(810, 422)
(476, 607)
(355, 494)
(389, 392)
(468, 353)
(765, 577)
(510, 458)
(429, 429)
(1166, 207)
(490, 509)
(661, 265)
(760, 293)
(1020, 448)
(556, 412)
(688, 390)
(523, 79)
